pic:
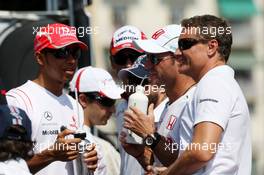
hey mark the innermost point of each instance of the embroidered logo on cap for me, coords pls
(158, 33)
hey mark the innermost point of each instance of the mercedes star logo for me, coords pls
(48, 115)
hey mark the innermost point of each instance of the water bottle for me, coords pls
(139, 100)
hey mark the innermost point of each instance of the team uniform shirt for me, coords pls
(102, 166)
(219, 99)
(159, 109)
(129, 164)
(47, 113)
(110, 156)
(172, 123)
(14, 167)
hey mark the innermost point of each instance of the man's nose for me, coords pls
(71, 60)
(129, 63)
(177, 52)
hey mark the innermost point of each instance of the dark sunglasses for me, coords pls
(101, 99)
(65, 52)
(187, 43)
(154, 59)
(121, 57)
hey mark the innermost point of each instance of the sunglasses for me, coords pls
(156, 60)
(101, 99)
(65, 52)
(187, 43)
(122, 57)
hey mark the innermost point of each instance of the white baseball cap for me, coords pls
(92, 79)
(123, 38)
(163, 40)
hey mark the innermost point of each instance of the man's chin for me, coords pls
(68, 78)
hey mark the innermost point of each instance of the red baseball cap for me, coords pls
(56, 36)
(123, 38)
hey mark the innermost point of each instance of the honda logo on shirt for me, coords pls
(171, 123)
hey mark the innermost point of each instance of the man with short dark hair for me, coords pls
(220, 129)
(57, 51)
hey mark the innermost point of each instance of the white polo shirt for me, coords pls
(175, 123)
(159, 109)
(14, 167)
(173, 116)
(47, 113)
(219, 99)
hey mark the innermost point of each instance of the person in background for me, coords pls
(123, 54)
(16, 145)
(57, 51)
(97, 94)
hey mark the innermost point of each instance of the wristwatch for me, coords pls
(152, 140)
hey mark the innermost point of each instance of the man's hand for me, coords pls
(143, 155)
(132, 149)
(90, 158)
(138, 122)
(152, 170)
(65, 149)
(62, 150)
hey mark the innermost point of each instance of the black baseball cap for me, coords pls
(138, 69)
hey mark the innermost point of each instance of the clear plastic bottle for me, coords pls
(139, 100)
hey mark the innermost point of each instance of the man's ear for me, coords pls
(39, 58)
(83, 100)
(212, 47)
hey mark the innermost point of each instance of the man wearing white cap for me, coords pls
(97, 93)
(179, 89)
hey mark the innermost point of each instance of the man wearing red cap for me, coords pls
(123, 54)
(57, 50)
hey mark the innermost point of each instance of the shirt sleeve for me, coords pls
(213, 102)
(17, 99)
